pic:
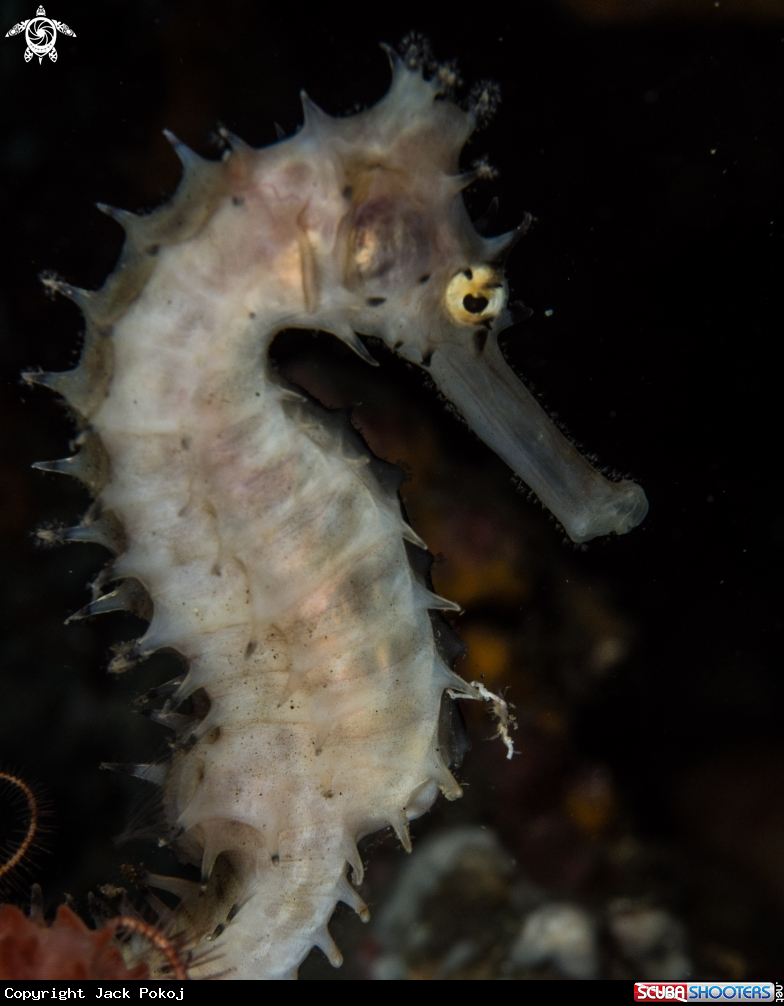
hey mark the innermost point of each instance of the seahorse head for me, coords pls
(422, 274)
(417, 274)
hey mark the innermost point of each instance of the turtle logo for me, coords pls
(41, 33)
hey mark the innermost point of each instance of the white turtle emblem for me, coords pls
(41, 34)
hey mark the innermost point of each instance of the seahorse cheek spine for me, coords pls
(269, 541)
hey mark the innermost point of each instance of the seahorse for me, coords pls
(256, 531)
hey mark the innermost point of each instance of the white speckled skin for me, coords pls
(270, 542)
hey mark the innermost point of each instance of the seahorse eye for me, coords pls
(476, 293)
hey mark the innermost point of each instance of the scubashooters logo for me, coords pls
(707, 992)
(41, 34)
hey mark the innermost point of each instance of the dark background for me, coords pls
(648, 147)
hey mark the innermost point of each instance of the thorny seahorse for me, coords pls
(258, 532)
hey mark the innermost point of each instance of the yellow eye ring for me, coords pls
(475, 294)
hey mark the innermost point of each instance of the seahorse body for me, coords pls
(270, 542)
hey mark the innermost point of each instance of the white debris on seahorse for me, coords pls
(257, 531)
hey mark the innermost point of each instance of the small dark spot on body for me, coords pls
(250, 649)
(237, 200)
(468, 274)
(376, 301)
(185, 443)
(427, 358)
(480, 339)
(153, 249)
(212, 736)
(233, 911)
(276, 859)
(348, 192)
(252, 314)
(425, 278)
(398, 344)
